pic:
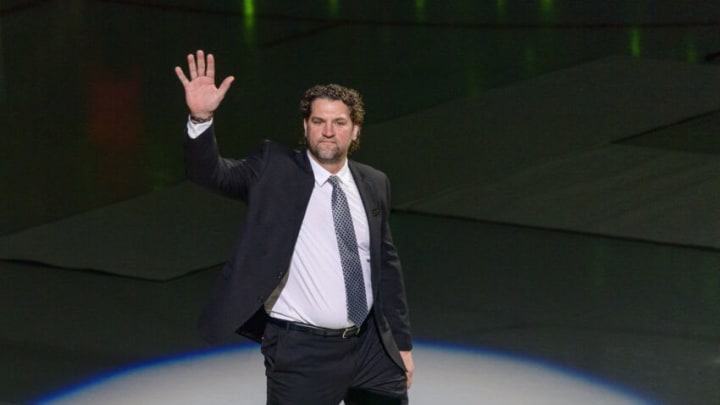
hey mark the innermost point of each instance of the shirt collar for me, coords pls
(321, 174)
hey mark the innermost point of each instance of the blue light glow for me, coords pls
(69, 392)
(449, 371)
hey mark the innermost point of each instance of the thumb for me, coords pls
(225, 85)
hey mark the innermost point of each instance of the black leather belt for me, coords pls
(315, 330)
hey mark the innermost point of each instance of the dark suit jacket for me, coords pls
(276, 185)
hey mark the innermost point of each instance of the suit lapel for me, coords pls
(300, 190)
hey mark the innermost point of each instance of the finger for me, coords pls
(192, 68)
(210, 71)
(225, 85)
(201, 62)
(181, 75)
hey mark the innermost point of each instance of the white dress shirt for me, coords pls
(313, 290)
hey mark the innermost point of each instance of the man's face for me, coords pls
(329, 131)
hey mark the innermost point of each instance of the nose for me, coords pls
(328, 130)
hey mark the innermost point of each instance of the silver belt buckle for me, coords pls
(351, 331)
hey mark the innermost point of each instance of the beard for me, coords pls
(325, 151)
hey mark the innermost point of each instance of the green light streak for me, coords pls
(635, 43)
(334, 8)
(420, 10)
(249, 8)
(249, 14)
(547, 10)
(501, 6)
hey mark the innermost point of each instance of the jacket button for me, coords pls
(260, 300)
(280, 275)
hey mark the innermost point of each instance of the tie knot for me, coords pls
(334, 180)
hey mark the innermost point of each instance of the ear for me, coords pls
(305, 125)
(356, 132)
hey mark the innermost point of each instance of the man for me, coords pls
(314, 275)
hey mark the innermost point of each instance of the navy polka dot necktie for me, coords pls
(347, 243)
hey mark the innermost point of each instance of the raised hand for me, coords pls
(201, 95)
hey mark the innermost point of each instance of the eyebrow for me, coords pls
(316, 118)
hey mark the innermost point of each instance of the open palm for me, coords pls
(201, 94)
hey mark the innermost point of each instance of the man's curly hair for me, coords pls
(350, 97)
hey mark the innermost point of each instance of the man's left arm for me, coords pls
(395, 304)
(393, 291)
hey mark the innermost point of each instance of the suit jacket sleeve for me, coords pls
(229, 177)
(395, 305)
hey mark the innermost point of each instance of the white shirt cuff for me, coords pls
(194, 130)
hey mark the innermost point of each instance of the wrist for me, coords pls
(200, 118)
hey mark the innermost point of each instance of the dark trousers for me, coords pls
(306, 369)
